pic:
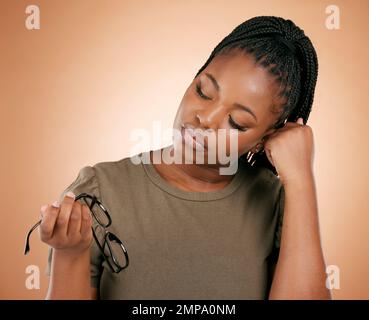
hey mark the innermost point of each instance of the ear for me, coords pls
(269, 132)
(266, 134)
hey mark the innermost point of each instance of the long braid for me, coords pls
(283, 48)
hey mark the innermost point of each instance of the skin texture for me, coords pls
(300, 270)
(240, 81)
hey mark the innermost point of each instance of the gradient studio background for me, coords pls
(72, 92)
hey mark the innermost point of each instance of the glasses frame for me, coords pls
(108, 236)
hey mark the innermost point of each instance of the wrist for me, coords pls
(298, 178)
(70, 256)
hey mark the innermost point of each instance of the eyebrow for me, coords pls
(217, 87)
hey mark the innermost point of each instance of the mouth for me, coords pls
(193, 137)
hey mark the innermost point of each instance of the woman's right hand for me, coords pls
(67, 226)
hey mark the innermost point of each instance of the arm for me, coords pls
(300, 270)
(66, 227)
(75, 271)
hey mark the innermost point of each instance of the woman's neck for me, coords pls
(191, 177)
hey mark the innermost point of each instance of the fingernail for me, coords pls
(56, 204)
(70, 194)
(43, 208)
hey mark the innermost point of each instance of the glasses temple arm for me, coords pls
(27, 247)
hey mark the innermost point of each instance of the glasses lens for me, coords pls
(114, 250)
(99, 213)
(117, 251)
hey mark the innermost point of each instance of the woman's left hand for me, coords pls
(291, 150)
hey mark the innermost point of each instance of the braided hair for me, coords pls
(287, 53)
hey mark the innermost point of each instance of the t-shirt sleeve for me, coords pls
(86, 181)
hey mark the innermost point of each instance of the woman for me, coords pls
(191, 232)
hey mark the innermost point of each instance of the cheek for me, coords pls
(232, 143)
(242, 143)
(187, 109)
(189, 102)
(246, 141)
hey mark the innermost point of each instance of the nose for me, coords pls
(209, 119)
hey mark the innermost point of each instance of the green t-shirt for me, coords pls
(182, 244)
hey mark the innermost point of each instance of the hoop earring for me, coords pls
(249, 158)
(250, 155)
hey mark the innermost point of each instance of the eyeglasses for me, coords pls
(111, 247)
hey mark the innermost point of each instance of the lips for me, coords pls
(194, 137)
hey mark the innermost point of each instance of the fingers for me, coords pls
(66, 225)
(49, 216)
(299, 122)
(74, 225)
(86, 221)
(64, 214)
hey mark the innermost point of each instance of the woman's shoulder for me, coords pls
(262, 175)
(263, 182)
(124, 170)
(125, 165)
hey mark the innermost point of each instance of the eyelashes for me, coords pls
(199, 92)
(231, 121)
(236, 125)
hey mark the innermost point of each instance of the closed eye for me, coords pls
(231, 121)
(199, 92)
(236, 125)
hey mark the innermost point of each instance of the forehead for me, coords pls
(242, 80)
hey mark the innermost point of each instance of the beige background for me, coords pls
(72, 92)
